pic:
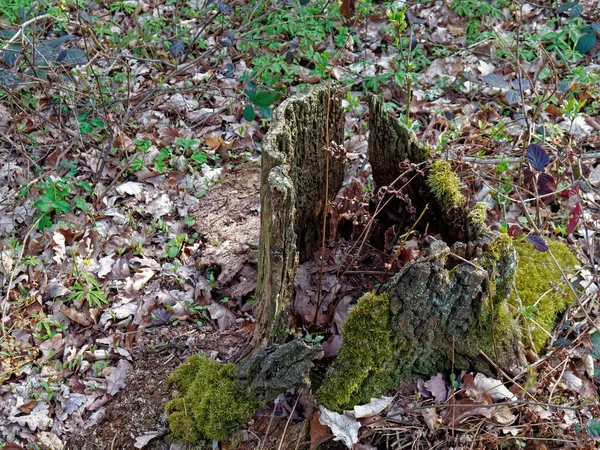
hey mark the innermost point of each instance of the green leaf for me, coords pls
(565, 6)
(595, 339)
(265, 112)
(577, 10)
(61, 205)
(81, 204)
(593, 427)
(173, 251)
(45, 222)
(248, 113)
(136, 164)
(199, 157)
(265, 98)
(596, 27)
(585, 43)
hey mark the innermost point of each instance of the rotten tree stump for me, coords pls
(292, 198)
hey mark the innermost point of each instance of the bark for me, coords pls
(293, 180)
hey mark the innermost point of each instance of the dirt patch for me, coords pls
(228, 220)
(139, 408)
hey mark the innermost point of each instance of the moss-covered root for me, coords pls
(445, 185)
(366, 364)
(541, 287)
(211, 403)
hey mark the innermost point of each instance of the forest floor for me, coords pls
(130, 138)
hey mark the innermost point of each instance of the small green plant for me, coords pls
(174, 246)
(87, 288)
(49, 327)
(53, 200)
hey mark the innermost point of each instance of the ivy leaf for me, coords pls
(546, 183)
(566, 6)
(574, 220)
(586, 42)
(596, 27)
(265, 99)
(177, 49)
(248, 113)
(538, 242)
(265, 112)
(522, 85)
(595, 340)
(224, 8)
(81, 204)
(576, 10)
(513, 96)
(496, 81)
(537, 157)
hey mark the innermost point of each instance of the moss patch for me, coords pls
(211, 403)
(445, 185)
(542, 290)
(368, 362)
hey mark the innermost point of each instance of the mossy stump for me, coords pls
(293, 184)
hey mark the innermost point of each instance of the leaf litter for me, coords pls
(70, 368)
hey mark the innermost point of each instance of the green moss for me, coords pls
(541, 288)
(445, 185)
(478, 214)
(368, 362)
(211, 403)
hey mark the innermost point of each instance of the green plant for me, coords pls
(86, 287)
(174, 246)
(50, 327)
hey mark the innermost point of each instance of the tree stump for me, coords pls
(292, 197)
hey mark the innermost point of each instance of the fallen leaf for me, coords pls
(318, 431)
(116, 380)
(224, 317)
(144, 439)
(437, 386)
(343, 427)
(432, 419)
(374, 407)
(131, 188)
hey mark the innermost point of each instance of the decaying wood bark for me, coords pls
(440, 303)
(293, 203)
(440, 296)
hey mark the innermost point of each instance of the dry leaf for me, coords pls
(344, 428)
(116, 380)
(374, 407)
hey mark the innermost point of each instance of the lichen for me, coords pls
(211, 402)
(368, 362)
(445, 185)
(541, 288)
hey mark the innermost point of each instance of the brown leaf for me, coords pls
(318, 431)
(116, 380)
(348, 8)
(76, 316)
(437, 386)
(27, 407)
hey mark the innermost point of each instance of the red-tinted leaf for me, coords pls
(574, 220)
(515, 230)
(546, 183)
(527, 175)
(538, 242)
(537, 157)
(570, 192)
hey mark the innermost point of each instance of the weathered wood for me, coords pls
(293, 197)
